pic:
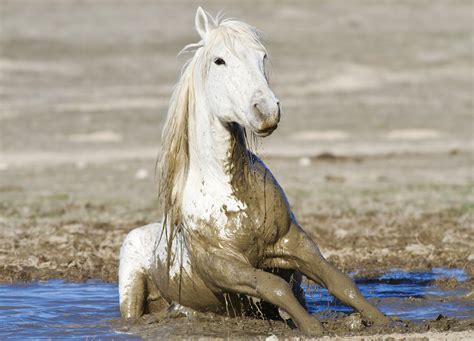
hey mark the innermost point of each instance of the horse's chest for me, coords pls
(251, 228)
(247, 219)
(254, 233)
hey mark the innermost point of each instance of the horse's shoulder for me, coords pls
(258, 164)
(268, 179)
(262, 169)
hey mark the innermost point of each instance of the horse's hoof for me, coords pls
(381, 321)
(312, 328)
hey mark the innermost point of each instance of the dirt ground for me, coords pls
(361, 225)
(375, 147)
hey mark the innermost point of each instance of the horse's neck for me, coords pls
(209, 146)
(211, 153)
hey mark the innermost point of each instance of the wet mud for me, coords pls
(53, 237)
(335, 324)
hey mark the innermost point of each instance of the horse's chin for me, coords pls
(265, 132)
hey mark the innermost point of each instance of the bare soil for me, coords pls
(59, 227)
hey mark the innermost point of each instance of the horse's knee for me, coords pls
(339, 284)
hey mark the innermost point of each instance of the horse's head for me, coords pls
(235, 78)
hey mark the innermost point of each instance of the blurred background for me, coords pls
(359, 77)
(377, 101)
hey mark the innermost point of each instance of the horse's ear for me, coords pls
(202, 23)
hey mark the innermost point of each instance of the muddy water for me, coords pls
(55, 309)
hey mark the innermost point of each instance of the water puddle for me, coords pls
(55, 309)
(411, 296)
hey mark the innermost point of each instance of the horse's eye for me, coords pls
(219, 61)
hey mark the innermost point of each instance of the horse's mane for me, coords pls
(173, 161)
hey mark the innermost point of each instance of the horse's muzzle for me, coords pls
(269, 120)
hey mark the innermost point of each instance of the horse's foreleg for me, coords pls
(228, 274)
(303, 255)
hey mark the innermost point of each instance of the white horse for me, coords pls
(226, 219)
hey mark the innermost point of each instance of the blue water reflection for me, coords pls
(401, 284)
(55, 309)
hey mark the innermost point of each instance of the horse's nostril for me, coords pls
(258, 110)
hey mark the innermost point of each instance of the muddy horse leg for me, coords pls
(138, 294)
(303, 255)
(234, 275)
(132, 277)
(132, 289)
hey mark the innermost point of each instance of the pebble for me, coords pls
(141, 174)
(304, 161)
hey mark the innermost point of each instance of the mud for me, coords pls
(335, 324)
(53, 234)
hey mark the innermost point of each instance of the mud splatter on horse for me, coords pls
(228, 233)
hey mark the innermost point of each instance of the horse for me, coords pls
(228, 237)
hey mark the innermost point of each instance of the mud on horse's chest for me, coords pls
(262, 229)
